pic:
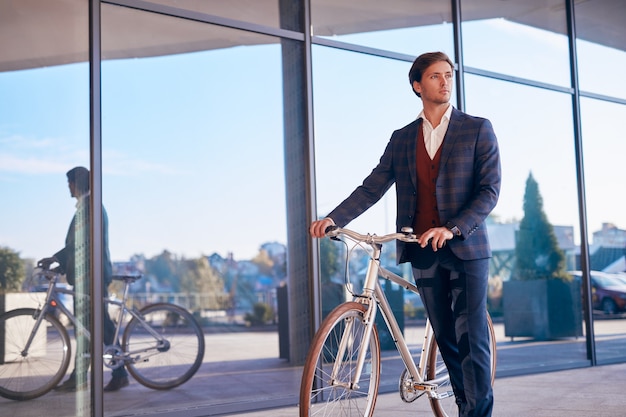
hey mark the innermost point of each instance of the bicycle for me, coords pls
(342, 370)
(162, 345)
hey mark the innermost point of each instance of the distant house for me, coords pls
(610, 236)
(608, 251)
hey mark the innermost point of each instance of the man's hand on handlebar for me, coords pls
(318, 227)
(437, 237)
(46, 262)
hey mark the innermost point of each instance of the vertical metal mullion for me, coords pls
(96, 226)
(458, 54)
(297, 132)
(580, 174)
(314, 260)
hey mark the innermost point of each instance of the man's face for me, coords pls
(72, 186)
(436, 84)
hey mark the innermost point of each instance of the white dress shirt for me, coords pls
(433, 137)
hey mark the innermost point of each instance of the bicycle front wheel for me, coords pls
(444, 405)
(30, 371)
(328, 386)
(165, 348)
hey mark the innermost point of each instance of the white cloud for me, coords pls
(35, 156)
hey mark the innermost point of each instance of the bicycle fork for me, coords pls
(348, 338)
(40, 313)
(347, 343)
(38, 316)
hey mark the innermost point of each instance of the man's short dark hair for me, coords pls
(79, 176)
(424, 61)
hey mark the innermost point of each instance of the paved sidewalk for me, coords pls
(585, 392)
(242, 375)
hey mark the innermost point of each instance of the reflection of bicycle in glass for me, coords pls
(342, 370)
(162, 345)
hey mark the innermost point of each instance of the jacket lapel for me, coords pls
(451, 136)
(411, 151)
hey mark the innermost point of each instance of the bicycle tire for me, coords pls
(168, 366)
(436, 370)
(28, 375)
(317, 396)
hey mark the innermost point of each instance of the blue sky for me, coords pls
(173, 166)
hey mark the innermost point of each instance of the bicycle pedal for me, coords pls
(424, 386)
(442, 395)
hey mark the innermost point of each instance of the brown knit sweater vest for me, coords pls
(427, 215)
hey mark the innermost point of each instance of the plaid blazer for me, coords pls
(468, 183)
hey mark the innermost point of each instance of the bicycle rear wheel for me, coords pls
(323, 392)
(172, 359)
(445, 405)
(28, 372)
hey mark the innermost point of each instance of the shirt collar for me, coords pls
(82, 199)
(446, 116)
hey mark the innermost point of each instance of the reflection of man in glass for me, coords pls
(74, 260)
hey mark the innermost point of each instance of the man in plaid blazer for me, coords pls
(446, 168)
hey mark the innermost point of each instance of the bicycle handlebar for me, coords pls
(406, 235)
(47, 272)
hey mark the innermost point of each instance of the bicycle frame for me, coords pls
(53, 302)
(52, 297)
(372, 290)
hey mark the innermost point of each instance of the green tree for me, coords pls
(12, 272)
(194, 277)
(261, 314)
(537, 251)
(163, 268)
(198, 277)
(263, 261)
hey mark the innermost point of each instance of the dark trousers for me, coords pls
(82, 360)
(454, 293)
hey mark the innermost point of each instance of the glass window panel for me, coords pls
(396, 26)
(603, 149)
(527, 147)
(522, 39)
(175, 36)
(593, 60)
(194, 187)
(601, 44)
(44, 132)
(263, 12)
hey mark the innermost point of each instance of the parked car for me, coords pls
(621, 276)
(608, 291)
